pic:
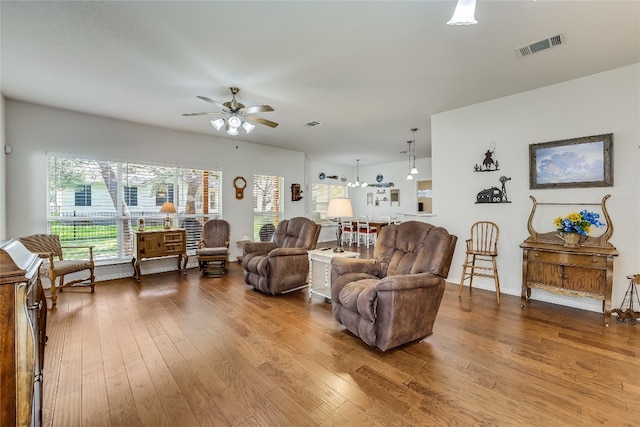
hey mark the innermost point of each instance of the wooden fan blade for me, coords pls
(258, 109)
(262, 121)
(198, 114)
(204, 98)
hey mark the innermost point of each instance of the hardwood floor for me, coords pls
(190, 351)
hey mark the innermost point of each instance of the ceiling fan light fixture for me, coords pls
(232, 131)
(234, 122)
(217, 124)
(248, 127)
(464, 13)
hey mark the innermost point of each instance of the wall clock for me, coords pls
(240, 184)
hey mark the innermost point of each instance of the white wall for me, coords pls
(33, 130)
(608, 102)
(3, 175)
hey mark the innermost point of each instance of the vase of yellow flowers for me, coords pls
(575, 225)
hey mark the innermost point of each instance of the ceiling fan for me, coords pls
(239, 115)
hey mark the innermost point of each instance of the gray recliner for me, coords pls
(393, 298)
(282, 264)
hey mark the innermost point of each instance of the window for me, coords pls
(83, 195)
(117, 194)
(267, 202)
(320, 195)
(131, 195)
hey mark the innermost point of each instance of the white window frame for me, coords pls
(111, 230)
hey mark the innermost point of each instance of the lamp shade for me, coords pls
(168, 207)
(464, 13)
(218, 124)
(248, 127)
(339, 208)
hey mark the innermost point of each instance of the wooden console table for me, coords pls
(158, 244)
(586, 271)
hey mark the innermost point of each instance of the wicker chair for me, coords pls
(49, 246)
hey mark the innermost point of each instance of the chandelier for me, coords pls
(412, 156)
(357, 183)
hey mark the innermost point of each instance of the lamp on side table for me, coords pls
(168, 208)
(339, 208)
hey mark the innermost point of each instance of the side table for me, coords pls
(320, 270)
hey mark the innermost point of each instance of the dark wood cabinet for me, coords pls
(585, 271)
(22, 336)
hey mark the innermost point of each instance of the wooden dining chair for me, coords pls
(481, 254)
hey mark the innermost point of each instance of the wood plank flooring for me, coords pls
(178, 350)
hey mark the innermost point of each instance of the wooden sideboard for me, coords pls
(158, 244)
(585, 271)
(22, 336)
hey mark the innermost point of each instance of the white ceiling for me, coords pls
(368, 71)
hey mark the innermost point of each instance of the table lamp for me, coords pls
(168, 208)
(339, 208)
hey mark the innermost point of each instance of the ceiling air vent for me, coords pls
(312, 124)
(539, 46)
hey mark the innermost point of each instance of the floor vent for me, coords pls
(312, 124)
(541, 45)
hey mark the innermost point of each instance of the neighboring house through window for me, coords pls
(83, 195)
(131, 195)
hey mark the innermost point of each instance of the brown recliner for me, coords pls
(393, 298)
(282, 264)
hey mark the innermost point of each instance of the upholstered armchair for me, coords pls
(48, 246)
(282, 264)
(393, 298)
(213, 249)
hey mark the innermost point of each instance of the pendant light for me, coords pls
(412, 156)
(414, 170)
(409, 175)
(464, 13)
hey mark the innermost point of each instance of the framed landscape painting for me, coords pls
(572, 163)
